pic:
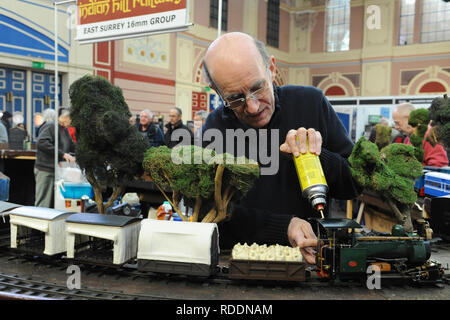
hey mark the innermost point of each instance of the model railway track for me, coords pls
(22, 287)
(129, 272)
(25, 288)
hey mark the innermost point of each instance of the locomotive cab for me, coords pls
(336, 254)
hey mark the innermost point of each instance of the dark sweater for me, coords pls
(153, 134)
(171, 141)
(45, 156)
(263, 215)
(16, 138)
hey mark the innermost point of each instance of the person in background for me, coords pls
(176, 124)
(158, 120)
(401, 116)
(47, 116)
(199, 121)
(6, 120)
(149, 130)
(397, 136)
(190, 125)
(44, 167)
(3, 133)
(72, 132)
(433, 156)
(17, 136)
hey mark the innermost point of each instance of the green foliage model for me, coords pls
(206, 182)
(383, 135)
(440, 116)
(390, 172)
(109, 149)
(419, 120)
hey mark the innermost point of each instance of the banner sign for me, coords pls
(104, 20)
(215, 101)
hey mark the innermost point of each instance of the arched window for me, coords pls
(432, 87)
(335, 91)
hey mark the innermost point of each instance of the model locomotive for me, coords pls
(345, 254)
(188, 248)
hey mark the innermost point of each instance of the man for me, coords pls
(158, 121)
(240, 70)
(433, 156)
(6, 120)
(199, 121)
(176, 131)
(17, 136)
(149, 130)
(47, 116)
(44, 167)
(401, 116)
(3, 133)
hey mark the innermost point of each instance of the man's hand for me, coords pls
(69, 158)
(300, 234)
(291, 145)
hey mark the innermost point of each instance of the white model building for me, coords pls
(122, 231)
(25, 221)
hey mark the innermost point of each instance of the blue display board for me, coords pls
(345, 119)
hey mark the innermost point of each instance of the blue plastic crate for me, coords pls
(4, 187)
(74, 190)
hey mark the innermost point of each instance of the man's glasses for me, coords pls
(255, 95)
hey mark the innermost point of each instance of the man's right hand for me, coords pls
(300, 234)
(69, 158)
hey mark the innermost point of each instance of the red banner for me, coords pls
(92, 11)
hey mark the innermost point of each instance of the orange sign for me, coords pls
(102, 20)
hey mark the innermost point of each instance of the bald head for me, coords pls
(236, 65)
(401, 115)
(233, 50)
(404, 109)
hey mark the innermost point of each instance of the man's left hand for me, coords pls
(291, 146)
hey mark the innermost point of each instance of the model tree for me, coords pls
(419, 120)
(440, 116)
(383, 135)
(206, 182)
(390, 172)
(109, 149)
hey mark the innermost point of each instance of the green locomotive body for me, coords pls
(344, 254)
